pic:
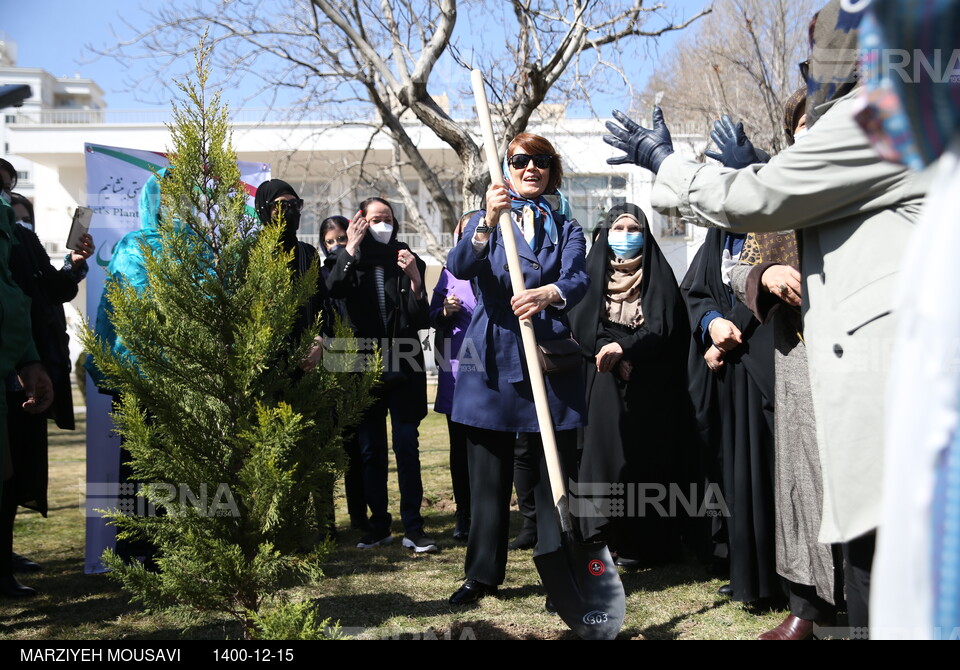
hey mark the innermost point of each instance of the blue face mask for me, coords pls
(625, 245)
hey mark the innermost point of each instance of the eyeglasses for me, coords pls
(520, 161)
(296, 203)
(331, 241)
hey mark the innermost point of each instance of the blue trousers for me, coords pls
(372, 437)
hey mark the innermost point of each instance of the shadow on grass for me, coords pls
(71, 605)
(368, 616)
(670, 629)
(661, 577)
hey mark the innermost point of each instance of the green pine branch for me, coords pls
(236, 443)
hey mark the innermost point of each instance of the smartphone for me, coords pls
(80, 226)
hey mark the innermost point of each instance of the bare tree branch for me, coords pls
(399, 57)
(740, 61)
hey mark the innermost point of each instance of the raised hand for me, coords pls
(356, 231)
(646, 148)
(736, 149)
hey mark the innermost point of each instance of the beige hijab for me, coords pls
(623, 286)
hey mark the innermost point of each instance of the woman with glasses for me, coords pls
(333, 233)
(276, 198)
(493, 398)
(380, 281)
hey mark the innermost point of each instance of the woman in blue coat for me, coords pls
(493, 396)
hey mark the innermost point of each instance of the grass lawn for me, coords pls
(384, 592)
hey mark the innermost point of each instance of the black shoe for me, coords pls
(471, 592)
(377, 538)
(11, 588)
(628, 563)
(527, 539)
(24, 564)
(726, 591)
(549, 606)
(461, 531)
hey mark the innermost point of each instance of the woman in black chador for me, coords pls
(632, 328)
(731, 373)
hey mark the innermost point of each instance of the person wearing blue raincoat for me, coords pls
(128, 266)
(493, 397)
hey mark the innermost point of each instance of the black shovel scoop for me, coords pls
(583, 583)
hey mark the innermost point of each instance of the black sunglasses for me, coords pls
(520, 161)
(340, 238)
(296, 203)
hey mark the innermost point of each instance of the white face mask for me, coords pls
(800, 133)
(382, 232)
(28, 226)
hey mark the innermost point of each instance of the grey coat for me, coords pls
(856, 213)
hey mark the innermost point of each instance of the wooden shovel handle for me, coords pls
(516, 279)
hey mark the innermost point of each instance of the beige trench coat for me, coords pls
(855, 212)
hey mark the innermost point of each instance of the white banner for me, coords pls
(114, 179)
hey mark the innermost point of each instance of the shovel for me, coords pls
(580, 578)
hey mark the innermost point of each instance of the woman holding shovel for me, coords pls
(493, 397)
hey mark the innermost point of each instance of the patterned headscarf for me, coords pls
(911, 106)
(541, 208)
(833, 61)
(793, 111)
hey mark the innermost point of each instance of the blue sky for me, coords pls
(54, 35)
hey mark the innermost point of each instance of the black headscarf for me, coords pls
(663, 311)
(269, 191)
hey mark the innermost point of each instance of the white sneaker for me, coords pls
(420, 543)
(375, 538)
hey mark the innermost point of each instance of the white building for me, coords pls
(44, 140)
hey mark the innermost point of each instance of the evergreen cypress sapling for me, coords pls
(238, 444)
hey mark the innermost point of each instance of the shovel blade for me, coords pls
(582, 581)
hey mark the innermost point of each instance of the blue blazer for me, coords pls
(493, 389)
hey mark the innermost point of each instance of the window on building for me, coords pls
(670, 226)
(10, 118)
(591, 197)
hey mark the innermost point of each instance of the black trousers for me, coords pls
(806, 604)
(459, 467)
(490, 454)
(353, 482)
(857, 564)
(526, 474)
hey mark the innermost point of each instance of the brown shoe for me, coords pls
(791, 628)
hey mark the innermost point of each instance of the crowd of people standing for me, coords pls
(764, 372)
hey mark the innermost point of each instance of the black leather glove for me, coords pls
(736, 151)
(646, 148)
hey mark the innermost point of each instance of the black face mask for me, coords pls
(291, 214)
